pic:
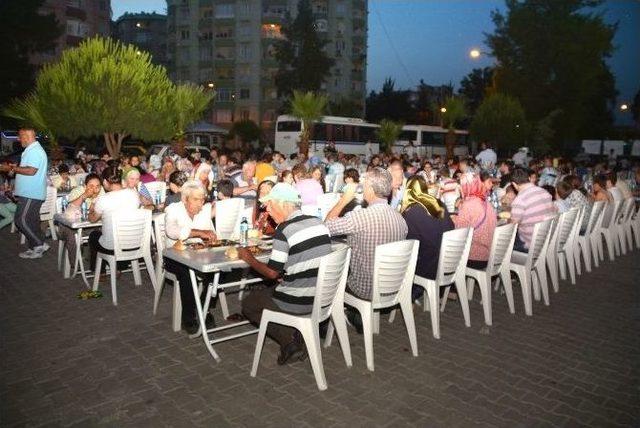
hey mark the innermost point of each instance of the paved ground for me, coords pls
(87, 363)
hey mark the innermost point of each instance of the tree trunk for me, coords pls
(113, 143)
(450, 143)
(304, 143)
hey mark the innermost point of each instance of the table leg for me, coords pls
(201, 311)
(79, 263)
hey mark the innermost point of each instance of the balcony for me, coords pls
(75, 12)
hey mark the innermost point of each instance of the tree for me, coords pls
(635, 109)
(246, 130)
(185, 105)
(308, 107)
(303, 63)
(552, 55)
(388, 134)
(106, 88)
(346, 107)
(23, 32)
(454, 114)
(500, 119)
(474, 86)
(389, 104)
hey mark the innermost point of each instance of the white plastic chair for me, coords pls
(328, 303)
(623, 226)
(157, 187)
(608, 231)
(47, 211)
(310, 210)
(452, 264)
(131, 242)
(162, 275)
(530, 266)
(227, 213)
(393, 271)
(560, 249)
(583, 241)
(337, 183)
(635, 227)
(497, 264)
(449, 200)
(326, 202)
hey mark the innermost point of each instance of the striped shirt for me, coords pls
(532, 205)
(298, 245)
(366, 229)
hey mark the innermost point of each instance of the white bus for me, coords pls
(350, 135)
(430, 140)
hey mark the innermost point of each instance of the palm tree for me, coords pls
(388, 133)
(308, 107)
(454, 112)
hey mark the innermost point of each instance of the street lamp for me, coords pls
(475, 53)
(210, 85)
(624, 107)
(443, 110)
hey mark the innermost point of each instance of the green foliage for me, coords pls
(552, 55)
(500, 120)
(389, 103)
(246, 130)
(543, 133)
(185, 105)
(308, 107)
(23, 32)
(345, 107)
(635, 109)
(388, 134)
(474, 87)
(303, 63)
(456, 112)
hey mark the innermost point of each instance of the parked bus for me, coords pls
(349, 135)
(430, 140)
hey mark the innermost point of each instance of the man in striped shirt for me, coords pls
(298, 244)
(532, 205)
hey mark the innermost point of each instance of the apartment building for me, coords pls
(228, 46)
(147, 31)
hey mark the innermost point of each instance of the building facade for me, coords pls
(147, 31)
(229, 46)
(80, 19)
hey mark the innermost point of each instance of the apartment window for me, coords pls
(244, 30)
(224, 33)
(77, 28)
(184, 35)
(207, 12)
(224, 116)
(75, 3)
(245, 51)
(341, 8)
(340, 46)
(269, 116)
(206, 53)
(322, 25)
(340, 28)
(337, 82)
(245, 115)
(225, 10)
(271, 31)
(320, 7)
(275, 10)
(244, 8)
(224, 73)
(207, 35)
(224, 52)
(223, 94)
(245, 94)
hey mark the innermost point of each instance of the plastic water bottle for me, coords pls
(84, 210)
(64, 203)
(158, 198)
(319, 213)
(244, 232)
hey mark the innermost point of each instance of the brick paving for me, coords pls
(66, 362)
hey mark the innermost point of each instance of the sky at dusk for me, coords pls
(430, 40)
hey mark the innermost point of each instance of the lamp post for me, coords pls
(443, 110)
(624, 107)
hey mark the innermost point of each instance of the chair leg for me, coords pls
(464, 302)
(594, 250)
(376, 322)
(339, 323)
(508, 289)
(52, 228)
(177, 307)
(470, 287)
(135, 268)
(541, 275)
(367, 330)
(535, 286)
(222, 298)
(96, 273)
(585, 249)
(484, 283)
(610, 247)
(562, 265)
(432, 293)
(552, 262)
(158, 292)
(113, 268)
(525, 284)
(259, 344)
(407, 313)
(312, 340)
(571, 263)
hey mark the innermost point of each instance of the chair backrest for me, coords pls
(159, 232)
(228, 212)
(449, 200)
(612, 211)
(326, 201)
(157, 187)
(131, 233)
(310, 210)
(338, 182)
(393, 271)
(501, 247)
(626, 212)
(331, 283)
(454, 253)
(539, 241)
(565, 226)
(594, 217)
(48, 207)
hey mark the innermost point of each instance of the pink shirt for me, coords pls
(309, 190)
(533, 204)
(476, 213)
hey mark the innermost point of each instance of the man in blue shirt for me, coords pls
(31, 192)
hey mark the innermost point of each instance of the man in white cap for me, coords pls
(298, 244)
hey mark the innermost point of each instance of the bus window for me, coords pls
(290, 126)
(408, 136)
(367, 133)
(319, 131)
(338, 133)
(461, 139)
(433, 138)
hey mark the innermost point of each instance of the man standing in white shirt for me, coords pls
(487, 158)
(116, 199)
(521, 158)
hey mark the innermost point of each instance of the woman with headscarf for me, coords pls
(475, 211)
(427, 220)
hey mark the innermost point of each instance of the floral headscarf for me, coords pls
(416, 192)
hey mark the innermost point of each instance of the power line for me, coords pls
(393, 47)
